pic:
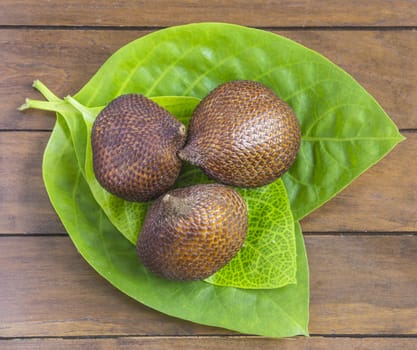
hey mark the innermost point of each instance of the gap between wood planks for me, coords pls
(148, 28)
(405, 131)
(305, 233)
(212, 336)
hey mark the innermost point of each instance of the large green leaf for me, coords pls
(344, 129)
(279, 312)
(344, 132)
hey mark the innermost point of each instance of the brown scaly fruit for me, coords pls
(190, 233)
(242, 134)
(134, 145)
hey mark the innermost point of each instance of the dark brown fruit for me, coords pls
(192, 232)
(134, 145)
(242, 134)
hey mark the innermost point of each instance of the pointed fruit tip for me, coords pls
(188, 154)
(182, 130)
(177, 206)
(181, 155)
(166, 198)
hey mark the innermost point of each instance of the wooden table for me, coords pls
(362, 245)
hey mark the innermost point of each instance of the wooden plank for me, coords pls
(63, 59)
(382, 61)
(359, 286)
(211, 342)
(363, 284)
(383, 199)
(253, 13)
(24, 204)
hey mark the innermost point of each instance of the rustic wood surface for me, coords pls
(298, 13)
(211, 342)
(362, 245)
(369, 288)
(382, 61)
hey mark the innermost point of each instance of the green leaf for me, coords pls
(73, 118)
(279, 312)
(345, 131)
(268, 257)
(182, 107)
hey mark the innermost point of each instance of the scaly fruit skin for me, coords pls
(190, 233)
(134, 145)
(242, 134)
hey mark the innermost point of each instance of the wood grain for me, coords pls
(359, 285)
(362, 245)
(24, 204)
(382, 61)
(252, 13)
(211, 342)
(383, 199)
